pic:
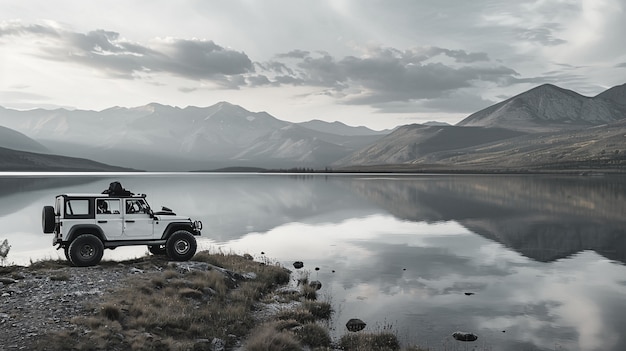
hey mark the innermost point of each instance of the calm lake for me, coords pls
(541, 258)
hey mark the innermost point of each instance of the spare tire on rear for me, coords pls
(47, 219)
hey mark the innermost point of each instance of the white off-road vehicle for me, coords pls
(86, 224)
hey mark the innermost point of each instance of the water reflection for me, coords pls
(544, 218)
(542, 255)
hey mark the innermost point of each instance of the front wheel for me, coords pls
(181, 246)
(86, 250)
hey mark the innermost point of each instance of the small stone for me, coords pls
(185, 267)
(464, 336)
(134, 270)
(249, 275)
(19, 276)
(7, 281)
(316, 284)
(355, 325)
(218, 344)
(248, 257)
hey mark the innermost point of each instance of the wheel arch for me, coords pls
(173, 227)
(78, 230)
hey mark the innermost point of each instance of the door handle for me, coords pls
(102, 221)
(129, 221)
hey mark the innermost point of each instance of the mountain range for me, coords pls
(546, 127)
(165, 138)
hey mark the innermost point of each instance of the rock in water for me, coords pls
(355, 325)
(464, 336)
(298, 264)
(316, 284)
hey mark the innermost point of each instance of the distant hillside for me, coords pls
(544, 128)
(616, 95)
(339, 128)
(412, 142)
(165, 138)
(595, 147)
(15, 140)
(549, 108)
(21, 161)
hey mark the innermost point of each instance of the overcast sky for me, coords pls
(378, 63)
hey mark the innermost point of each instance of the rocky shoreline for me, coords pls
(44, 298)
(216, 302)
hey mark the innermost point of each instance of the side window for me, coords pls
(108, 206)
(78, 208)
(136, 206)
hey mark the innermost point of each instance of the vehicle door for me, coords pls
(109, 217)
(138, 223)
(77, 211)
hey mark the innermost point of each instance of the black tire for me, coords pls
(181, 246)
(66, 250)
(86, 250)
(47, 219)
(157, 250)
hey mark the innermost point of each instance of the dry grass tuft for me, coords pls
(300, 315)
(111, 312)
(191, 293)
(267, 337)
(381, 341)
(309, 292)
(313, 335)
(319, 309)
(49, 264)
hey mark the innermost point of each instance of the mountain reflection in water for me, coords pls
(541, 256)
(542, 217)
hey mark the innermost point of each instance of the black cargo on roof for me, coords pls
(116, 189)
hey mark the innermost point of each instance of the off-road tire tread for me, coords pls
(74, 250)
(47, 219)
(177, 236)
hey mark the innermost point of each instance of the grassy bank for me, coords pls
(227, 302)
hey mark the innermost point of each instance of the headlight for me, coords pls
(197, 225)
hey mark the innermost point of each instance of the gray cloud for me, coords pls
(543, 35)
(300, 54)
(387, 78)
(114, 56)
(388, 75)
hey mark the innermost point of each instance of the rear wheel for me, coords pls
(157, 250)
(86, 250)
(66, 250)
(181, 246)
(47, 219)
